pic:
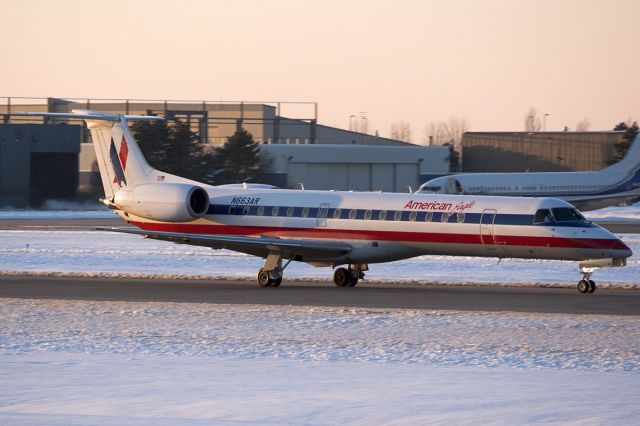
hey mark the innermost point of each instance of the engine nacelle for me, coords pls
(167, 202)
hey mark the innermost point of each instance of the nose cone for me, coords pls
(619, 248)
(626, 251)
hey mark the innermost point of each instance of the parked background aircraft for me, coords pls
(616, 184)
(333, 228)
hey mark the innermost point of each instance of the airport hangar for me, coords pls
(46, 158)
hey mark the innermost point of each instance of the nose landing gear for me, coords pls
(586, 284)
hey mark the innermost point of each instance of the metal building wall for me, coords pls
(537, 151)
(358, 168)
(37, 162)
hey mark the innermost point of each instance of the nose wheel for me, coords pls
(586, 284)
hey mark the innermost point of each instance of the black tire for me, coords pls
(353, 281)
(592, 286)
(263, 279)
(276, 283)
(583, 286)
(341, 277)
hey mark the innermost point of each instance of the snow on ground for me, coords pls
(57, 209)
(82, 362)
(115, 254)
(615, 213)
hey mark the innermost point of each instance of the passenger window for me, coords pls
(260, 210)
(397, 215)
(383, 215)
(232, 210)
(353, 213)
(305, 212)
(543, 216)
(413, 215)
(444, 217)
(428, 217)
(367, 214)
(460, 217)
(275, 211)
(290, 211)
(322, 212)
(337, 213)
(245, 210)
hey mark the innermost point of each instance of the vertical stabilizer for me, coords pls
(631, 160)
(119, 158)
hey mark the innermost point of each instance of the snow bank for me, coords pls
(93, 253)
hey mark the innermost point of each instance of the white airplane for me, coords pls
(333, 228)
(613, 185)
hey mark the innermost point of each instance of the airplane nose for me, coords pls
(621, 249)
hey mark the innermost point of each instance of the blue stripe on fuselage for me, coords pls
(359, 214)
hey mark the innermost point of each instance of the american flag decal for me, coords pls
(117, 167)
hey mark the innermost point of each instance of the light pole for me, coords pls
(353, 126)
(544, 122)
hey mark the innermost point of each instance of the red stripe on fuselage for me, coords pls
(361, 234)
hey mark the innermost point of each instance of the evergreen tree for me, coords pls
(174, 149)
(454, 158)
(238, 160)
(621, 148)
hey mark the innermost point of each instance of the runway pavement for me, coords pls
(463, 298)
(466, 298)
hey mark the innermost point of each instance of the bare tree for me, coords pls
(583, 125)
(401, 131)
(532, 123)
(445, 132)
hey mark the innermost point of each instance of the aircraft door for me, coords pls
(452, 186)
(487, 236)
(322, 214)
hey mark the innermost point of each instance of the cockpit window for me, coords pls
(543, 216)
(567, 214)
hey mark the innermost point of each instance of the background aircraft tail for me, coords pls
(631, 160)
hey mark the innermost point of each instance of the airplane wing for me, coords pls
(595, 202)
(257, 246)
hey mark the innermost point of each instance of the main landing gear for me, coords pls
(270, 275)
(344, 277)
(586, 284)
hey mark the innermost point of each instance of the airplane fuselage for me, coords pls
(384, 227)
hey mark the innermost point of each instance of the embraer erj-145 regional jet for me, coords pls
(616, 184)
(333, 228)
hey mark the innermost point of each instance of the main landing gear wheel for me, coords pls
(263, 279)
(272, 276)
(592, 286)
(342, 278)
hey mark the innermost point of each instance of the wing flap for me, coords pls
(250, 245)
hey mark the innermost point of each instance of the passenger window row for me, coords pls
(338, 213)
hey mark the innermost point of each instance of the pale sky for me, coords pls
(488, 61)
